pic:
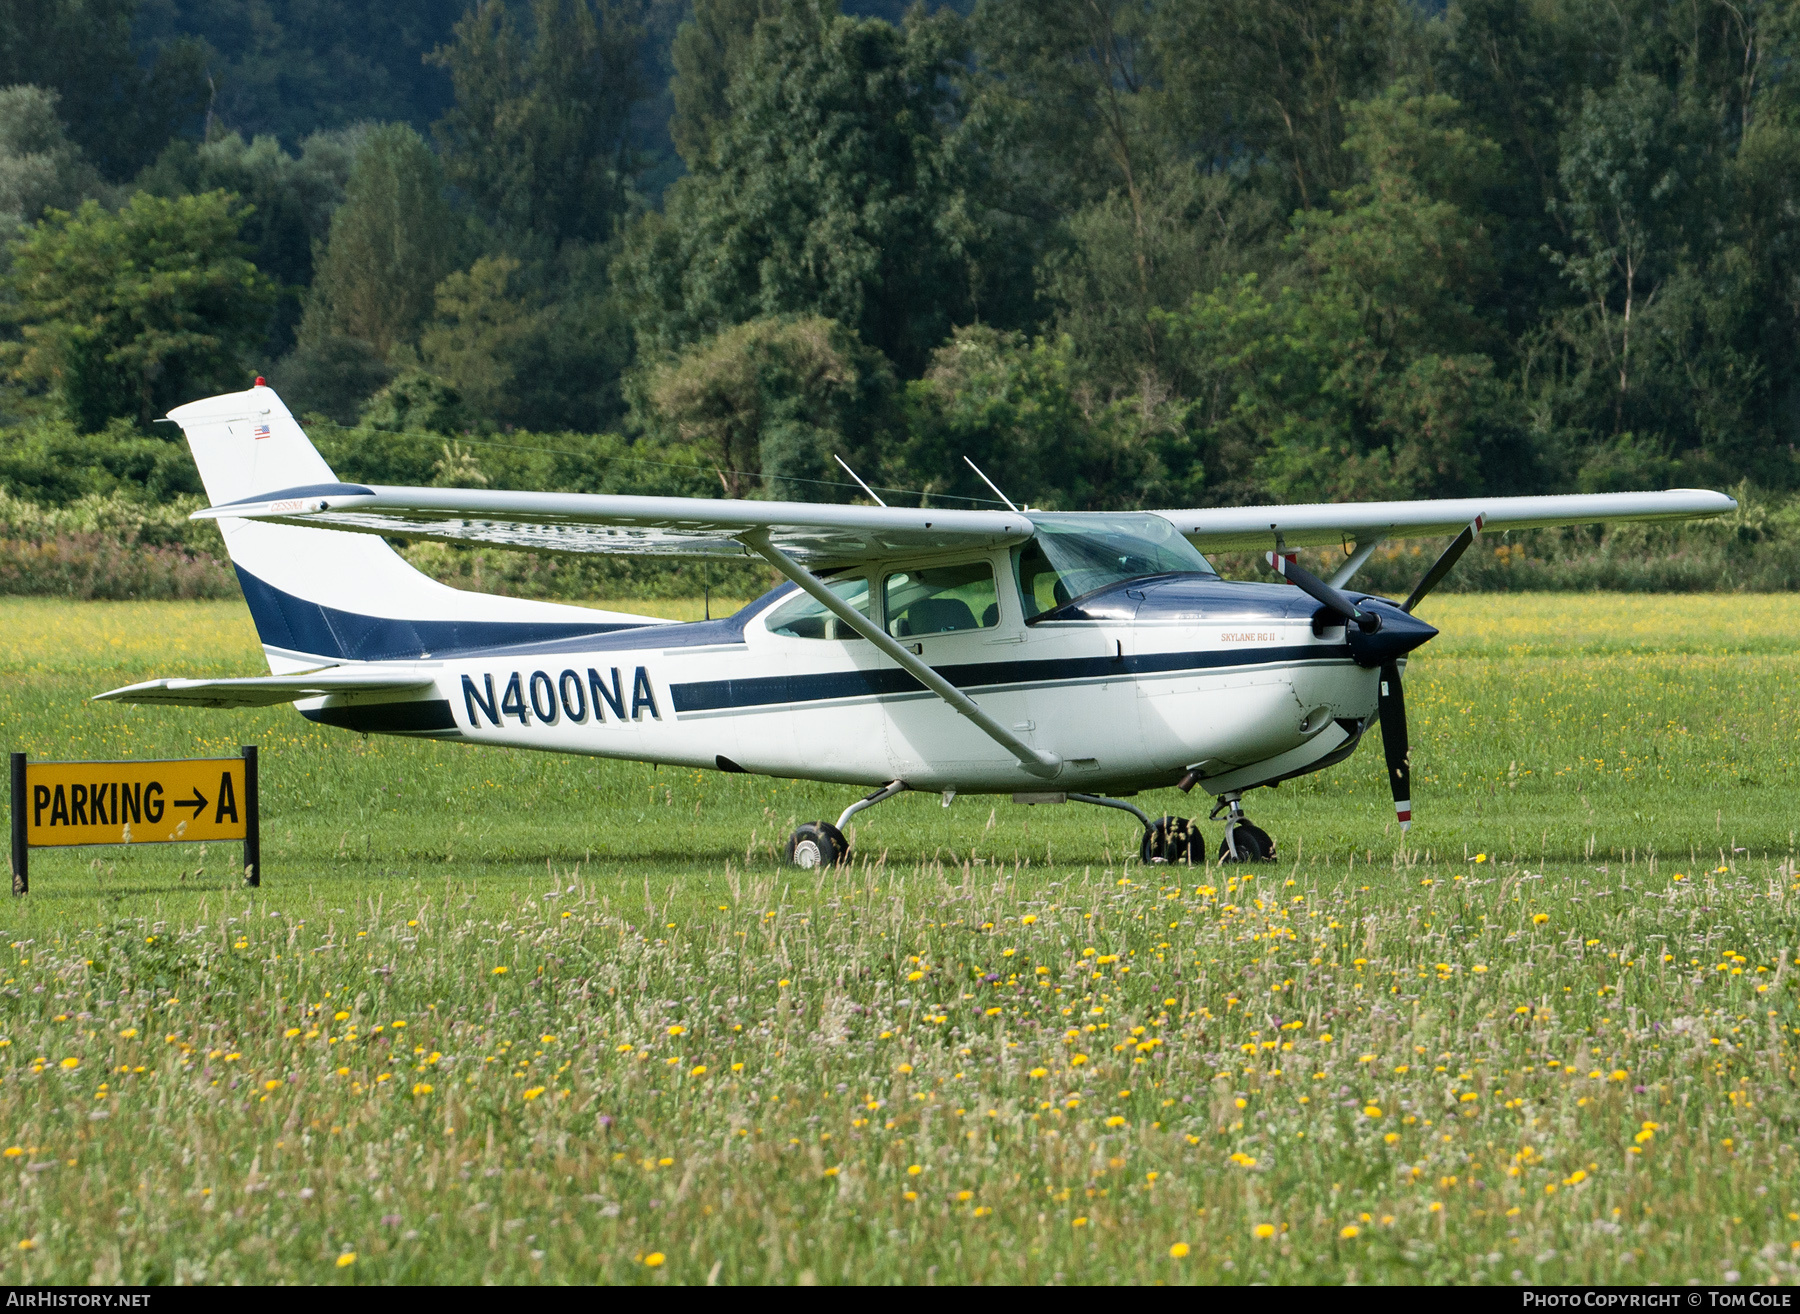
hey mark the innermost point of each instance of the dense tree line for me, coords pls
(1116, 251)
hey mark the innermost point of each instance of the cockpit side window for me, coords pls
(801, 617)
(941, 599)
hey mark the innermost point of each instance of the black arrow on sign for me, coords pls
(197, 803)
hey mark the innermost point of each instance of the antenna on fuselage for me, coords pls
(859, 483)
(991, 484)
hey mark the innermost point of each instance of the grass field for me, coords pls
(504, 1017)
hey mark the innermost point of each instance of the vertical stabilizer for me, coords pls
(321, 596)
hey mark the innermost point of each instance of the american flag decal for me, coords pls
(261, 431)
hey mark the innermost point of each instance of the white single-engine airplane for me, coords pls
(1066, 657)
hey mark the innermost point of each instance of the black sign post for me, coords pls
(20, 849)
(252, 821)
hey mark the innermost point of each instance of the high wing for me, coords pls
(1240, 528)
(820, 535)
(823, 535)
(265, 690)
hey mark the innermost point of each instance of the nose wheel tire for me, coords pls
(817, 844)
(1173, 839)
(1253, 844)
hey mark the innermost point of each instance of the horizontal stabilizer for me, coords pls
(265, 690)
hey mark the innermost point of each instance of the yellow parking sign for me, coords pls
(134, 802)
(56, 804)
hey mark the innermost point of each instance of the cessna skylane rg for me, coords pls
(1057, 657)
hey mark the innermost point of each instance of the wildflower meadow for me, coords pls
(501, 1017)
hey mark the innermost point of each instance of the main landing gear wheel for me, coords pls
(1173, 839)
(817, 844)
(1253, 844)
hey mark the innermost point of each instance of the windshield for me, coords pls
(1076, 554)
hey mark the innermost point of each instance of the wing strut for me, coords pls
(1047, 765)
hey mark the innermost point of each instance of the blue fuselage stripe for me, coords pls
(768, 690)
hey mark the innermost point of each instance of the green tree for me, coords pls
(40, 168)
(119, 108)
(1022, 411)
(291, 68)
(483, 335)
(770, 402)
(1630, 167)
(539, 136)
(418, 402)
(536, 346)
(392, 242)
(833, 191)
(291, 200)
(131, 313)
(1366, 374)
(708, 51)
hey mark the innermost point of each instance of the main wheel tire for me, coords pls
(1173, 839)
(1253, 845)
(817, 844)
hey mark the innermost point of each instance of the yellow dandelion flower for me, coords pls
(655, 1259)
(1078, 1222)
(1264, 1231)
(1538, 919)
(1351, 1232)
(71, 1063)
(498, 971)
(346, 1259)
(534, 1092)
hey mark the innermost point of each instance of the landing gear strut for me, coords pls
(1243, 841)
(821, 844)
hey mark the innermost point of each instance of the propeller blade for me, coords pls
(1289, 569)
(1392, 706)
(1441, 567)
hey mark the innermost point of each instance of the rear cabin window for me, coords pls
(941, 600)
(802, 617)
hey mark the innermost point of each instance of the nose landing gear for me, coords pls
(1243, 841)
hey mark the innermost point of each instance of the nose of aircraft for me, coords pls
(1398, 635)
